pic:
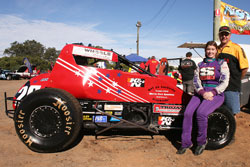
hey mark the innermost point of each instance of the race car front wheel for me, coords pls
(48, 120)
(221, 128)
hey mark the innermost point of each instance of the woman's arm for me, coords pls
(197, 82)
(224, 78)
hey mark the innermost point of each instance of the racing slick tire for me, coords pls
(221, 128)
(48, 120)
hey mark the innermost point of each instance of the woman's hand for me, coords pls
(208, 96)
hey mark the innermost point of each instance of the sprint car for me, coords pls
(78, 97)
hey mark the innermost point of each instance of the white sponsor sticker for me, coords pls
(89, 52)
(113, 107)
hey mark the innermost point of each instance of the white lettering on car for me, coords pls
(26, 90)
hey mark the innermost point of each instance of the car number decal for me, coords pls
(26, 90)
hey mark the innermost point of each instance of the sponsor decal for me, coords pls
(113, 107)
(44, 79)
(136, 82)
(161, 93)
(112, 119)
(87, 118)
(168, 109)
(109, 112)
(163, 120)
(118, 113)
(100, 119)
(166, 88)
(207, 73)
(94, 53)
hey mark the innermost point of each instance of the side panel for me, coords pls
(112, 85)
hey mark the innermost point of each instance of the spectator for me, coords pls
(237, 61)
(152, 64)
(186, 69)
(142, 65)
(163, 66)
(210, 80)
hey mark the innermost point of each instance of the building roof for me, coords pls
(191, 45)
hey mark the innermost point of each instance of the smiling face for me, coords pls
(211, 51)
(224, 38)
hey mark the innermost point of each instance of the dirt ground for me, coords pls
(122, 151)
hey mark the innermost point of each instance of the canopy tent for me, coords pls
(135, 58)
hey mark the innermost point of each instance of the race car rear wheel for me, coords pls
(221, 128)
(48, 120)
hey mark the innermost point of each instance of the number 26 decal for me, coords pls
(26, 90)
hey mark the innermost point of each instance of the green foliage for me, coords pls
(36, 53)
(99, 47)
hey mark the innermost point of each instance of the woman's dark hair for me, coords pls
(211, 43)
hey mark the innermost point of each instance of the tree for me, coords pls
(50, 54)
(36, 53)
(28, 48)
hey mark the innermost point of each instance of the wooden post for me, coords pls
(216, 21)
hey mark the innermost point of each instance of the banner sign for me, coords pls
(238, 20)
(28, 65)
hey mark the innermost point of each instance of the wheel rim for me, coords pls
(45, 121)
(218, 127)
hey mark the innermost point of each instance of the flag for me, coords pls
(237, 19)
(28, 65)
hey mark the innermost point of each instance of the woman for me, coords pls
(210, 80)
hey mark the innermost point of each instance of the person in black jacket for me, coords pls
(187, 68)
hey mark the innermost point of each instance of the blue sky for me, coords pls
(166, 24)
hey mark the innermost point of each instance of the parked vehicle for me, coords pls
(8, 75)
(23, 72)
(77, 98)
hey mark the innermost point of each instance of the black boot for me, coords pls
(182, 150)
(199, 149)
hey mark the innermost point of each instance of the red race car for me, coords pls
(89, 92)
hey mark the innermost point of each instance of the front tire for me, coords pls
(48, 120)
(221, 128)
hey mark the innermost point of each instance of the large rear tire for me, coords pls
(48, 120)
(221, 128)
